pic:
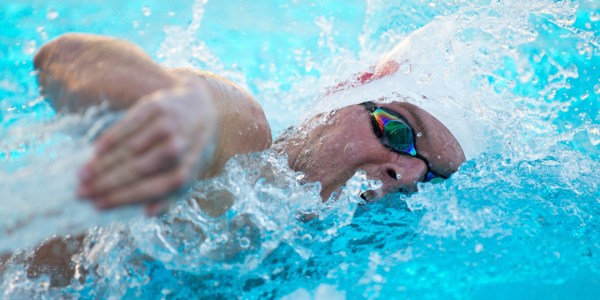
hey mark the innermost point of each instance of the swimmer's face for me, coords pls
(336, 151)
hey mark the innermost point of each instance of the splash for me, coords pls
(519, 219)
(38, 167)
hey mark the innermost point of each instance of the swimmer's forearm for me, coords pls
(76, 71)
(175, 118)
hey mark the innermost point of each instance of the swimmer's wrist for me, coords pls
(208, 113)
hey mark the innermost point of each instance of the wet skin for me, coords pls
(332, 147)
(143, 164)
(160, 146)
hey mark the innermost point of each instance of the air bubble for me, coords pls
(419, 134)
(597, 88)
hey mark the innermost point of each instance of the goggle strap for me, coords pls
(429, 171)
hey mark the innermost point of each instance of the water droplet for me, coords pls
(585, 95)
(146, 11)
(222, 239)
(594, 134)
(478, 248)
(405, 68)
(511, 84)
(52, 14)
(425, 77)
(29, 47)
(42, 31)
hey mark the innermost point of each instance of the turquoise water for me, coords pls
(520, 219)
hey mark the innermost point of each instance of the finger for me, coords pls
(157, 208)
(126, 127)
(102, 164)
(158, 129)
(151, 188)
(140, 141)
(133, 121)
(152, 161)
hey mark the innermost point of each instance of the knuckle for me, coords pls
(155, 107)
(162, 131)
(140, 169)
(136, 146)
(166, 128)
(170, 150)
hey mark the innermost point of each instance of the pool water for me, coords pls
(519, 219)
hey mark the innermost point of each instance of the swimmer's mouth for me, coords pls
(370, 195)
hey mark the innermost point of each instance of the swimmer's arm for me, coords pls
(76, 71)
(175, 116)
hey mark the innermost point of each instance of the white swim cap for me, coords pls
(429, 80)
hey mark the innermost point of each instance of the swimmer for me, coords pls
(181, 125)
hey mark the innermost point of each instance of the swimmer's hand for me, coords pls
(162, 145)
(164, 141)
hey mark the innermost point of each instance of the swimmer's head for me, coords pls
(332, 151)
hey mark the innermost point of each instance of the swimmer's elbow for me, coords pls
(47, 52)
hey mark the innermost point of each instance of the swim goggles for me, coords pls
(394, 133)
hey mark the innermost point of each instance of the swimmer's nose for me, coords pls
(402, 175)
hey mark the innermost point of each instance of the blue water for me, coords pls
(520, 219)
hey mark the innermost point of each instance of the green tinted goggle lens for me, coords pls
(396, 134)
(400, 136)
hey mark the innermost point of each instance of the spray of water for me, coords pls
(521, 213)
